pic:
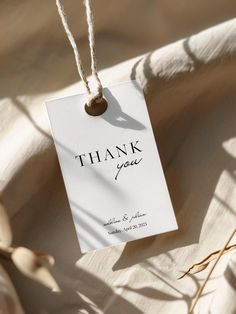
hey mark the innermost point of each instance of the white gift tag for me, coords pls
(111, 168)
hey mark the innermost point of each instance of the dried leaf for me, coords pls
(35, 266)
(196, 268)
(5, 229)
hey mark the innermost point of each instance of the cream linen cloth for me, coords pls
(190, 89)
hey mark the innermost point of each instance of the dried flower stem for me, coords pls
(200, 266)
(210, 272)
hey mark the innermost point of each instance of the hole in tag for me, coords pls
(97, 107)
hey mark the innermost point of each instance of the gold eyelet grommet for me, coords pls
(97, 107)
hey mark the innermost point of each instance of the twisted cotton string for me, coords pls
(89, 16)
(90, 22)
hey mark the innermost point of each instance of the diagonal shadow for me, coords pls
(117, 117)
(208, 97)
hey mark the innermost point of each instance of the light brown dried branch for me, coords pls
(196, 268)
(200, 290)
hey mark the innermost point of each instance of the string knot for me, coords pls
(96, 103)
(95, 97)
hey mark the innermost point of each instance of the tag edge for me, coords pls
(46, 102)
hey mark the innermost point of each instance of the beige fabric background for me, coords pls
(190, 91)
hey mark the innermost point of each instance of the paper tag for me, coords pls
(111, 168)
